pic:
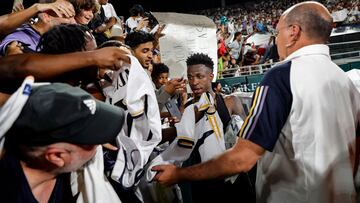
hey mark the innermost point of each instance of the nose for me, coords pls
(193, 81)
(150, 55)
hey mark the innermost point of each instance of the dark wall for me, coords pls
(122, 7)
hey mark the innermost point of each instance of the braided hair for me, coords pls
(67, 38)
(64, 38)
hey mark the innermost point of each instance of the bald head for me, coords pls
(313, 18)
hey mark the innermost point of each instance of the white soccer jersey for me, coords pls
(205, 137)
(305, 113)
(11, 110)
(132, 90)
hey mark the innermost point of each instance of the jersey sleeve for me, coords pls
(270, 108)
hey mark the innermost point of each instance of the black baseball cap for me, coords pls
(61, 113)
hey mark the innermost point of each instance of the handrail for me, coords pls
(248, 70)
(341, 43)
(350, 52)
(259, 69)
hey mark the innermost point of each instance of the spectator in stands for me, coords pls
(85, 10)
(117, 29)
(236, 46)
(216, 87)
(160, 74)
(271, 55)
(141, 44)
(292, 129)
(250, 56)
(136, 22)
(40, 152)
(100, 25)
(26, 38)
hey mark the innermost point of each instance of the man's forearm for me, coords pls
(43, 66)
(9, 22)
(215, 168)
(241, 158)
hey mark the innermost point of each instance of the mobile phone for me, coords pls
(26, 48)
(173, 109)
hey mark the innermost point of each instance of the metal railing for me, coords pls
(262, 68)
(245, 70)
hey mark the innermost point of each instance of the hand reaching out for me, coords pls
(166, 174)
(62, 8)
(13, 48)
(110, 58)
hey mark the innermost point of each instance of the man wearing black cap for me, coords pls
(56, 133)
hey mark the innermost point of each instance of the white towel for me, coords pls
(206, 136)
(91, 184)
(133, 90)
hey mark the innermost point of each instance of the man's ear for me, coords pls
(45, 17)
(57, 156)
(295, 33)
(211, 76)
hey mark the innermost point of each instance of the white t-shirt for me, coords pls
(132, 23)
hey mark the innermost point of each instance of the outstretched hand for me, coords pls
(111, 58)
(62, 8)
(166, 174)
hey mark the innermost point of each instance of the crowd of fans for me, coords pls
(99, 66)
(262, 18)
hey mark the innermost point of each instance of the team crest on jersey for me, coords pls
(27, 89)
(91, 104)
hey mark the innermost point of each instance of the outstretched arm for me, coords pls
(241, 158)
(43, 67)
(9, 22)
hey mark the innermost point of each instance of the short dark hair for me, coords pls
(134, 39)
(67, 38)
(200, 58)
(136, 9)
(237, 34)
(112, 43)
(159, 68)
(63, 38)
